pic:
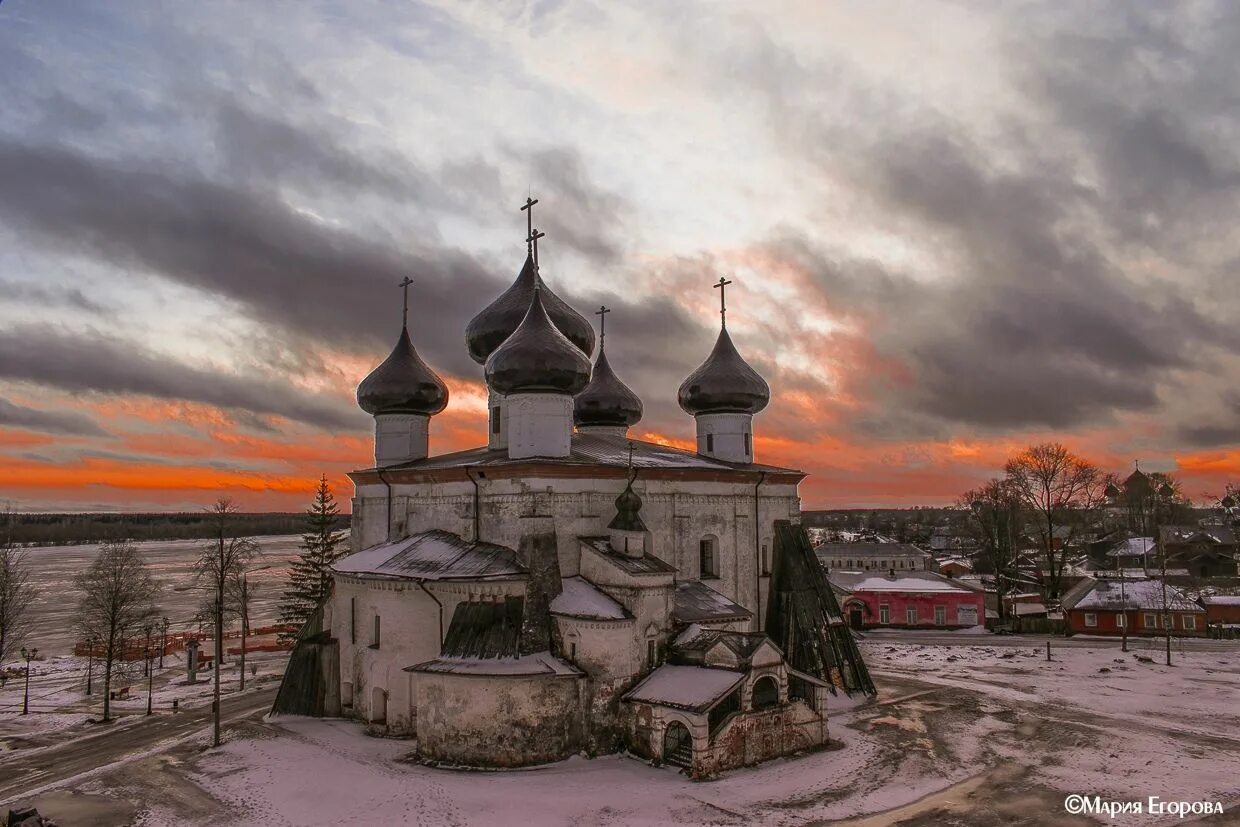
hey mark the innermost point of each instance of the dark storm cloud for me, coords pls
(286, 267)
(573, 209)
(1033, 320)
(52, 422)
(89, 361)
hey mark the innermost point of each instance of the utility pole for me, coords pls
(163, 643)
(28, 655)
(245, 625)
(90, 661)
(150, 676)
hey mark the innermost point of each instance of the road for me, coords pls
(23, 774)
(1135, 643)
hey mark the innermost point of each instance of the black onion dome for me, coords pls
(724, 383)
(537, 358)
(606, 400)
(628, 511)
(1138, 484)
(488, 330)
(403, 384)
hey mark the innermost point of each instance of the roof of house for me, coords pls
(696, 688)
(581, 598)
(695, 602)
(591, 449)
(1221, 599)
(866, 550)
(1218, 534)
(697, 640)
(1133, 547)
(1116, 595)
(899, 581)
(484, 629)
(646, 564)
(433, 555)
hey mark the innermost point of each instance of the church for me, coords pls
(566, 588)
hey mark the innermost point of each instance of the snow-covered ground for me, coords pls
(962, 734)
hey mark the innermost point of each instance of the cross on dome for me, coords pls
(404, 318)
(722, 286)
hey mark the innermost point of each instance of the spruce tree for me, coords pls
(310, 574)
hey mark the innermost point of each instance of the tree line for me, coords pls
(75, 529)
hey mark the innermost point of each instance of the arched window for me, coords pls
(766, 556)
(765, 693)
(708, 557)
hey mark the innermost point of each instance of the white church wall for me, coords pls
(678, 513)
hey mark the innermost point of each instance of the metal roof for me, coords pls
(433, 555)
(646, 564)
(588, 449)
(695, 602)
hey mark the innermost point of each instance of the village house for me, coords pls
(1222, 614)
(874, 556)
(907, 600)
(1106, 607)
(955, 566)
(564, 587)
(1202, 551)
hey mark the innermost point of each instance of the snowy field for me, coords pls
(172, 564)
(974, 733)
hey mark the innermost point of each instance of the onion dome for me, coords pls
(488, 330)
(606, 400)
(1112, 492)
(724, 383)
(628, 511)
(538, 358)
(1138, 484)
(403, 384)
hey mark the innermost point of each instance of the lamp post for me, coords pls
(27, 655)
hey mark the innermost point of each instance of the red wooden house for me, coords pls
(1106, 606)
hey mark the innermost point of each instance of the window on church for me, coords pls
(766, 557)
(708, 561)
(353, 620)
(374, 643)
(572, 651)
(746, 444)
(652, 653)
(710, 443)
(495, 420)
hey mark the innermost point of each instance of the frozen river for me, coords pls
(172, 564)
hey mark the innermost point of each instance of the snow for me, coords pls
(1135, 594)
(580, 598)
(904, 584)
(1133, 547)
(689, 687)
(1223, 600)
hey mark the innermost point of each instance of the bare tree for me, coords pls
(118, 597)
(997, 521)
(240, 596)
(17, 592)
(1061, 491)
(223, 557)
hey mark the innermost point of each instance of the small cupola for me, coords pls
(402, 394)
(723, 395)
(607, 405)
(627, 530)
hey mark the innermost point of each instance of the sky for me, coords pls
(954, 229)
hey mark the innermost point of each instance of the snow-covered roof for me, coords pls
(866, 551)
(1222, 600)
(1027, 609)
(581, 598)
(646, 564)
(695, 688)
(1222, 535)
(1126, 594)
(538, 663)
(433, 555)
(1133, 547)
(695, 602)
(903, 581)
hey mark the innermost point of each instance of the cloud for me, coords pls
(52, 422)
(91, 361)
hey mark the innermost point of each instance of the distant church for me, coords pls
(566, 588)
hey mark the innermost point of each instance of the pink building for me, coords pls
(906, 600)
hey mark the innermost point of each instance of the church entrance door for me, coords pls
(378, 706)
(677, 745)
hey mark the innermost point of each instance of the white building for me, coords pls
(565, 588)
